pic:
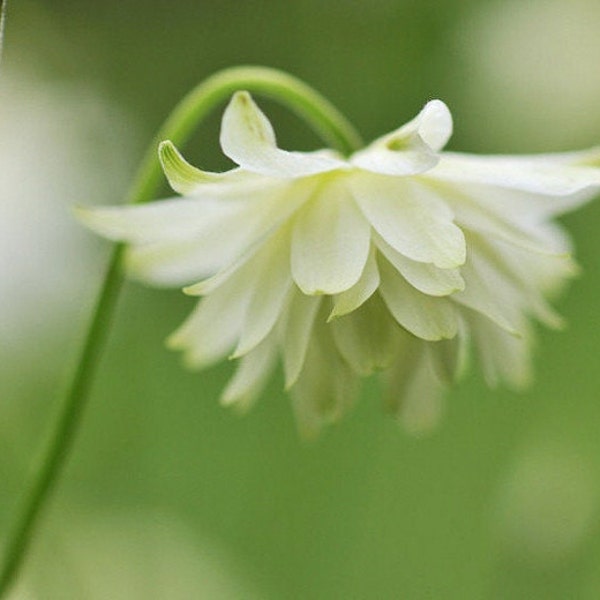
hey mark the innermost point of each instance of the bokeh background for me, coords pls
(167, 494)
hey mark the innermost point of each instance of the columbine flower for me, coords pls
(391, 260)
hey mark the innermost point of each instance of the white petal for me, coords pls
(519, 207)
(330, 242)
(171, 264)
(490, 292)
(172, 219)
(270, 290)
(366, 338)
(433, 125)
(212, 330)
(426, 277)
(389, 160)
(296, 333)
(360, 292)
(247, 137)
(242, 309)
(411, 149)
(520, 173)
(531, 276)
(518, 218)
(425, 316)
(411, 220)
(229, 236)
(251, 376)
(504, 358)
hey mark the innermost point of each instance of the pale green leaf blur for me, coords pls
(168, 495)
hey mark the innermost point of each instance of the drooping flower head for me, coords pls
(393, 260)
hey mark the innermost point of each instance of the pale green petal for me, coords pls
(251, 376)
(449, 358)
(360, 292)
(271, 288)
(247, 137)
(411, 149)
(413, 390)
(520, 173)
(366, 337)
(189, 180)
(425, 316)
(422, 407)
(296, 332)
(330, 242)
(411, 219)
(398, 377)
(504, 358)
(425, 277)
(325, 389)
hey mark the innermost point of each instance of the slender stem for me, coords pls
(194, 107)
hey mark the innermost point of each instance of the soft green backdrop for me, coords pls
(167, 494)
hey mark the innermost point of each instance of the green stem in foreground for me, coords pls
(322, 116)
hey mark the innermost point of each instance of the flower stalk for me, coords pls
(315, 110)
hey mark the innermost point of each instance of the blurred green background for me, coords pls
(168, 495)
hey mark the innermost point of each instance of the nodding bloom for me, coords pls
(394, 261)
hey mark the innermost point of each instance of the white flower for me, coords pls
(391, 260)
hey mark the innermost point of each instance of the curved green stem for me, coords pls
(194, 107)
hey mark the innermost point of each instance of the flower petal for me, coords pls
(422, 406)
(483, 210)
(413, 391)
(366, 338)
(528, 174)
(411, 149)
(326, 387)
(411, 220)
(247, 137)
(433, 125)
(426, 277)
(296, 332)
(360, 292)
(215, 240)
(270, 290)
(330, 242)
(504, 357)
(427, 317)
(172, 219)
(205, 336)
(531, 276)
(251, 376)
(488, 291)
(449, 358)
(186, 179)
